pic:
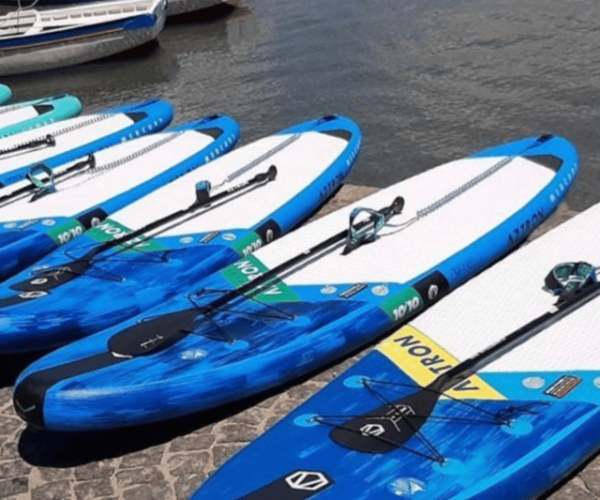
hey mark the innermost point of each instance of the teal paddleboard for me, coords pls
(5, 94)
(26, 115)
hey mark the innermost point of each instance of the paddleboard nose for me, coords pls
(28, 401)
(55, 397)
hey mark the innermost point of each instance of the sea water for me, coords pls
(427, 80)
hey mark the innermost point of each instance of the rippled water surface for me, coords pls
(427, 80)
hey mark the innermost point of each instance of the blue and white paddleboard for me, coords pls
(323, 291)
(5, 94)
(492, 394)
(214, 216)
(35, 113)
(36, 219)
(57, 143)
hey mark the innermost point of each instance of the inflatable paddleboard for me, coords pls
(68, 140)
(325, 290)
(5, 94)
(492, 394)
(37, 113)
(175, 236)
(56, 206)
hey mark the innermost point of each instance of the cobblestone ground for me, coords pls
(169, 461)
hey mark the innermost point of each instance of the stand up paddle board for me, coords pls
(5, 94)
(68, 140)
(325, 290)
(37, 113)
(495, 390)
(34, 214)
(175, 236)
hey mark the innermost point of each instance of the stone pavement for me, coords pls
(168, 461)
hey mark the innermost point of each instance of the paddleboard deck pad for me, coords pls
(325, 290)
(74, 292)
(521, 418)
(37, 113)
(34, 219)
(58, 143)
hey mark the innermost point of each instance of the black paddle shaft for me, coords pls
(465, 369)
(49, 140)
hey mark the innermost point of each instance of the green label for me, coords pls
(250, 268)
(248, 244)
(110, 230)
(403, 305)
(66, 232)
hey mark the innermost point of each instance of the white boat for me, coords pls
(39, 39)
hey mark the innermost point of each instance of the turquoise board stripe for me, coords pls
(64, 106)
(5, 94)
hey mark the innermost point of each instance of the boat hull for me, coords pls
(177, 7)
(39, 53)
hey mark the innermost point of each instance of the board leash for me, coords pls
(203, 199)
(575, 284)
(100, 169)
(42, 185)
(378, 219)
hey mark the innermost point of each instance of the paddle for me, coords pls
(41, 187)
(52, 278)
(390, 426)
(158, 333)
(49, 141)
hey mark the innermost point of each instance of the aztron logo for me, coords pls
(307, 480)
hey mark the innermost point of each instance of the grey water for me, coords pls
(428, 81)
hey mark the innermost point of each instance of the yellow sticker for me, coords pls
(423, 360)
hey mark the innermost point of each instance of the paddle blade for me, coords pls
(152, 335)
(388, 427)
